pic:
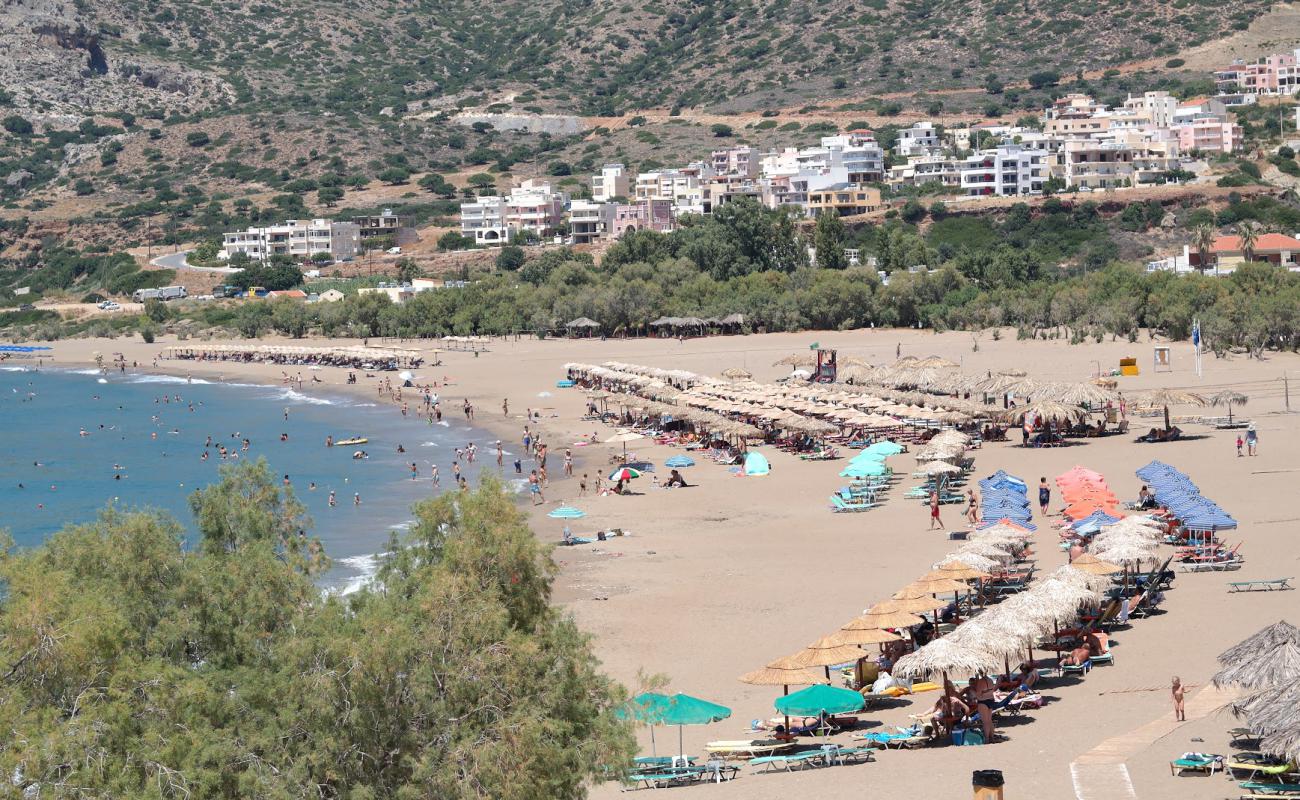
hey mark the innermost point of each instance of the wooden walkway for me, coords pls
(1101, 774)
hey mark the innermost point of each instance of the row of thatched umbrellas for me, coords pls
(983, 644)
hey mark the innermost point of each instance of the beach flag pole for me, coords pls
(1196, 343)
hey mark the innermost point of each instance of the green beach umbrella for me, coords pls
(819, 699)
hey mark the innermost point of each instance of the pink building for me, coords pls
(1275, 74)
(655, 215)
(1209, 134)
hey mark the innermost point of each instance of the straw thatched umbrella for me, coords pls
(889, 614)
(937, 363)
(737, 374)
(1126, 551)
(1228, 398)
(1274, 667)
(1090, 394)
(796, 361)
(1260, 642)
(1049, 411)
(862, 630)
(782, 672)
(1164, 398)
(943, 656)
(941, 468)
(912, 602)
(1091, 565)
(954, 567)
(827, 652)
(931, 585)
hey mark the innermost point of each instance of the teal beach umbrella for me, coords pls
(884, 448)
(653, 709)
(864, 469)
(818, 700)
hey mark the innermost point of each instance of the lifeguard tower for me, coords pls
(826, 369)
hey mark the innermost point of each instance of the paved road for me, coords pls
(177, 261)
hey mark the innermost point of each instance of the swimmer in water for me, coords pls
(356, 499)
(332, 501)
(311, 487)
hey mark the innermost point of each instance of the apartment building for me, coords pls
(612, 181)
(396, 228)
(590, 221)
(484, 219)
(1209, 133)
(737, 161)
(1274, 74)
(1005, 171)
(844, 199)
(298, 239)
(920, 170)
(642, 215)
(532, 206)
(1094, 164)
(1157, 108)
(681, 187)
(917, 140)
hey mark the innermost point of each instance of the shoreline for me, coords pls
(731, 573)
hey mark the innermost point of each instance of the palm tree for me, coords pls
(1248, 237)
(1203, 240)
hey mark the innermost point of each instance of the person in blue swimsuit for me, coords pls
(1044, 495)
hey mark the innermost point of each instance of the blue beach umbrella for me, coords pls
(885, 448)
(680, 461)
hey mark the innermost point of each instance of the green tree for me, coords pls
(828, 240)
(394, 176)
(329, 195)
(18, 126)
(1247, 236)
(156, 310)
(407, 270)
(720, 130)
(1203, 241)
(510, 258)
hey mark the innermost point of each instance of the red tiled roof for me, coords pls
(1265, 243)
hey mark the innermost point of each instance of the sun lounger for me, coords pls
(1254, 765)
(1276, 584)
(839, 505)
(668, 776)
(1076, 669)
(897, 740)
(746, 748)
(788, 762)
(1263, 789)
(1196, 762)
(849, 755)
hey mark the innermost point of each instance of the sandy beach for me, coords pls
(720, 578)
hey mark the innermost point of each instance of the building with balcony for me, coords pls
(1005, 171)
(642, 215)
(612, 181)
(1208, 134)
(1115, 164)
(484, 219)
(589, 222)
(920, 170)
(297, 239)
(396, 228)
(740, 161)
(532, 206)
(917, 140)
(844, 199)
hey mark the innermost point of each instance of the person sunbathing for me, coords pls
(1077, 657)
(948, 710)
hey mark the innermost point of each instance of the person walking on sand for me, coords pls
(972, 507)
(505, 407)
(935, 522)
(1252, 440)
(1044, 495)
(568, 463)
(535, 486)
(1176, 691)
(1239, 444)
(582, 486)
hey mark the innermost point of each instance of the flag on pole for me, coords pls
(1196, 343)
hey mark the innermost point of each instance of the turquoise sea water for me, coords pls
(51, 475)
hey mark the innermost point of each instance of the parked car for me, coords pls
(26, 307)
(109, 305)
(394, 251)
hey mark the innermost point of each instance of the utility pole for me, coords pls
(1286, 391)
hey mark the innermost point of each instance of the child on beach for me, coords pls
(1239, 444)
(434, 468)
(1177, 692)
(582, 486)
(519, 467)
